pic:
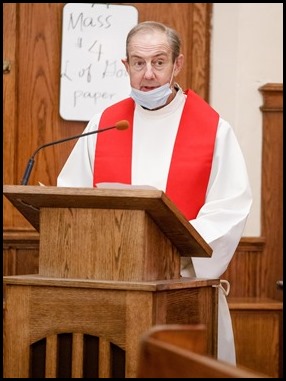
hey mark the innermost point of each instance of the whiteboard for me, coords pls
(93, 43)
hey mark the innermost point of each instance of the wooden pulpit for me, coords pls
(109, 269)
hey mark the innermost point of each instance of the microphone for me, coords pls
(121, 125)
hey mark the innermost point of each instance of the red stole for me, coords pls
(192, 154)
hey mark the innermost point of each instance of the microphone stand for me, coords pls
(31, 161)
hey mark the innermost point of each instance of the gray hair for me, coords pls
(172, 36)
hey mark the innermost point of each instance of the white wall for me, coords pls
(246, 53)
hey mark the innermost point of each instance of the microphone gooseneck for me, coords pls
(121, 125)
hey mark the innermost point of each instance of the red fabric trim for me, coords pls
(113, 153)
(192, 155)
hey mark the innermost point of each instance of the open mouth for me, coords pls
(148, 88)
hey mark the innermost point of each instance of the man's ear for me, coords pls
(178, 64)
(125, 63)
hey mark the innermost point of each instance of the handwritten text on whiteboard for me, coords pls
(93, 44)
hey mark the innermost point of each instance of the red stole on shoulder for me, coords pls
(191, 159)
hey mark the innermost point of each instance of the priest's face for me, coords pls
(149, 62)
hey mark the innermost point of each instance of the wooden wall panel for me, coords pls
(271, 189)
(258, 262)
(245, 269)
(257, 326)
(20, 253)
(9, 105)
(40, 27)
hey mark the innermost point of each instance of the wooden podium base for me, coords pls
(109, 269)
(60, 328)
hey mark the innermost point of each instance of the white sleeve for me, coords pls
(78, 169)
(222, 218)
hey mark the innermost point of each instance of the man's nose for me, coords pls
(149, 71)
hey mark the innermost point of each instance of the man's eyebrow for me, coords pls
(156, 55)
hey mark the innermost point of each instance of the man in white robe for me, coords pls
(152, 62)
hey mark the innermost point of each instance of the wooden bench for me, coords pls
(179, 351)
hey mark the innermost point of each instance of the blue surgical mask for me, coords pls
(152, 99)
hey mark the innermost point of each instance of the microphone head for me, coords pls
(122, 125)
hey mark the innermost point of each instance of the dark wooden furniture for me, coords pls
(179, 351)
(109, 269)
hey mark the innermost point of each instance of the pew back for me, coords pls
(179, 351)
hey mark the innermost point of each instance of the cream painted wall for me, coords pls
(246, 53)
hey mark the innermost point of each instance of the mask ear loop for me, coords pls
(172, 77)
